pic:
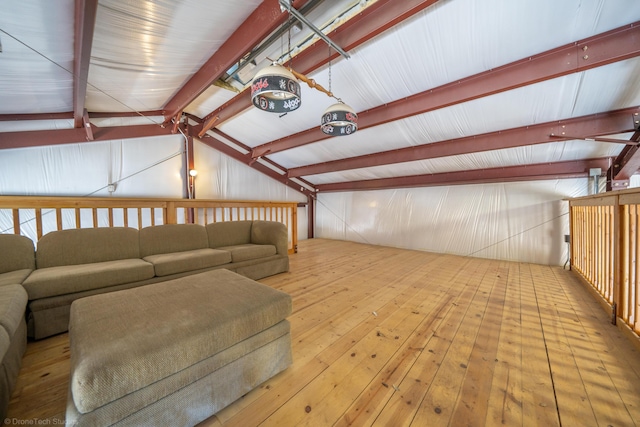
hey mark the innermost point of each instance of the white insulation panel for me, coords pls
(520, 221)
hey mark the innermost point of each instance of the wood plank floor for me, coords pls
(392, 337)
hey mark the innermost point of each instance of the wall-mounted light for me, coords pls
(192, 178)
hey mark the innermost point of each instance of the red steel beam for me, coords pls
(540, 171)
(612, 46)
(373, 20)
(625, 165)
(85, 16)
(265, 19)
(215, 143)
(246, 158)
(70, 136)
(587, 126)
(35, 116)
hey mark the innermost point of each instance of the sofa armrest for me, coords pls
(18, 253)
(271, 233)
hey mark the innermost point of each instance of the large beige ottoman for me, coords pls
(174, 353)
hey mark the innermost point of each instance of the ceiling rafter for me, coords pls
(540, 171)
(373, 20)
(265, 19)
(612, 46)
(78, 135)
(586, 126)
(85, 22)
(226, 149)
(206, 137)
(626, 164)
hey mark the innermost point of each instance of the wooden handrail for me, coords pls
(605, 242)
(34, 216)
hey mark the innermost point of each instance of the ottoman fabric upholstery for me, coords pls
(131, 348)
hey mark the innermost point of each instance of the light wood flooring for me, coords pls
(392, 337)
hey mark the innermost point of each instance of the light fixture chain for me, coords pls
(330, 70)
(289, 35)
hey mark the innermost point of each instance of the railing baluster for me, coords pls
(58, 219)
(92, 209)
(38, 213)
(16, 221)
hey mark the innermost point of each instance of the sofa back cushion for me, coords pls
(87, 245)
(18, 253)
(229, 233)
(167, 238)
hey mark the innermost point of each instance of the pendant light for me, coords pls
(275, 89)
(339, 119)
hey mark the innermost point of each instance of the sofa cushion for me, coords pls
(18, 253)
(249, 251)
(13, 302)
(14, 277)
(230, 233)
(168, 238)
(69, 279)
(86, 246)
(178, 262)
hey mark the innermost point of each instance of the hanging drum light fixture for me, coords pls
(275, 89)
(339, 119)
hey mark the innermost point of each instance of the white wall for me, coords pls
(520, 221)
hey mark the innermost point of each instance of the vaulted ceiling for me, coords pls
(447, 91)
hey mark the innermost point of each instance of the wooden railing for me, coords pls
(605, 241)
(35, 216)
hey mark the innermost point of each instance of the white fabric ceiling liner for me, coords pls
(35, 70)
(167, 45)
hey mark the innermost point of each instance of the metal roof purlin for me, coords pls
(552, 170)
(626, 164)
(38, 138)
(586, 126)
(612, 46)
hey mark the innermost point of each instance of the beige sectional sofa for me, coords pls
(38, 287)
(75, 263)
(17, 261)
